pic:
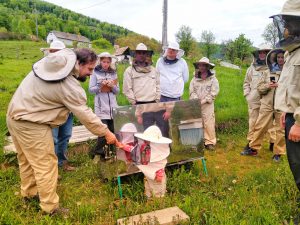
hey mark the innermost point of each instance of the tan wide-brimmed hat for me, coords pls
(153, 134)
(141, 47)
(290, 8)
(204, 60)
(55, 66)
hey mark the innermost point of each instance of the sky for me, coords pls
(225, 18)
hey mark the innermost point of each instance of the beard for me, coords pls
(81, 79)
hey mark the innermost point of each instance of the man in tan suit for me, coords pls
(44, 100)
(287, 98)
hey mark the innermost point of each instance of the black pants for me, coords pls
(156, 118)
(293, 149)
(101, 141)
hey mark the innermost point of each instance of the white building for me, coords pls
(69, 39)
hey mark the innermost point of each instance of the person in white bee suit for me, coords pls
(251, 94)
(268, 117)
(205, 87)
(287, 99)
(148, 151)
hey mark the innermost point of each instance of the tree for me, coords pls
(238, 49)
(185, 38)
(207, 44)
(270, 34)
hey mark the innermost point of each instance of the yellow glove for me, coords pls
(110, 138)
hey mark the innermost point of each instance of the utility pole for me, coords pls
(165, 24)
(36, 22)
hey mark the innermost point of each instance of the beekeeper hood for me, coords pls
(271, 60)
(287, 23)
(175, 46)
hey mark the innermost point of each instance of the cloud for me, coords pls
(225, 18)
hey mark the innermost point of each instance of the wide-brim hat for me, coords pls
(290, 8)
(141, 47)
(204, 60)
(55, 45)
(175, 46)
(55, 66)
(153, 134)
(262, 47)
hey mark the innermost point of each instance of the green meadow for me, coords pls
(237, 190)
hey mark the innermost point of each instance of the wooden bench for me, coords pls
(79, 134)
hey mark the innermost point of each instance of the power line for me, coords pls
(100, 3)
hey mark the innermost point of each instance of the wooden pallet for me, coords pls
(79, 134)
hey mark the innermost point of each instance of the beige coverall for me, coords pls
(268, 117)
(36, 107)
(141, 87)
(206, 91)
(252, 77)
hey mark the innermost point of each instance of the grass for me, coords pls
(238, 190)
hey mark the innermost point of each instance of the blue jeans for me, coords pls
(61, 137)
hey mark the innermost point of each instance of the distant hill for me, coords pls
(19, 17)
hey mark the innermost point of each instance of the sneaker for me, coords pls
(67, 167)
(271, 147)
(60, 212)
(249, 151)
(276, 158)
(246, 147)
(210, 147)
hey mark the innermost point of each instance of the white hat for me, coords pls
(290, 8)
(128, 127)
(141, 47)
(262, 47)
(204, 60)
(55, 66)
(56, 44)
(175, 46)
(153, 134)
(107, 55)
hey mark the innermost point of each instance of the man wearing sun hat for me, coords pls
(42, 101)
(287, 98)
(173, 72)
(141, 80)
(251, 94)
(205, 87)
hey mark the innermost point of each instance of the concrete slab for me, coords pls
(168, 216)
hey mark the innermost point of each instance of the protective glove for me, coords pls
(110, 138)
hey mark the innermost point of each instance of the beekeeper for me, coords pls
(205, 87)
(268, 117)
(141, 80)
(251, 94)
(287, 99)
(154, 150)
(42, 101)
